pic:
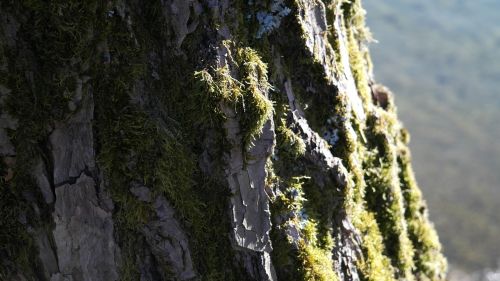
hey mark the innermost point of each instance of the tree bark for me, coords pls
(202, 140)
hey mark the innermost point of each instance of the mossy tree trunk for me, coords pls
(202, 140)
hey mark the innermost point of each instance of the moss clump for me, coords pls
(289, 144)
(354, 16)
(246, 95)
(221, 87)
(316, 258)
(309, 255)
(136, 149)
(257, 107)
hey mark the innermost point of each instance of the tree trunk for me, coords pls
(202, 140)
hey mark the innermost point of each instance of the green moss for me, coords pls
(373, 197)
(316, 260)
(53, 45)
(430, 264)
(384, 195)
(375, 265)
(257, 108)
(354, 16)
(214, 89)
(247, 95)
(288, 143)
(122, 136)
(359, 67)
(160, 151)
(309, 207)
(309, 257)
(303, 70)
(351, 147)
(135, 147)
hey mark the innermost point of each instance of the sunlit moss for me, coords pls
(311, 254)
(374, 265)
(245, 93)
(359, 69)
(258, 109)
(384, 195)
(316, 260)
(374, 198)
(288, 143)
(355, 18)
(430, 264)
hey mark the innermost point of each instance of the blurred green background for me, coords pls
(441, 58)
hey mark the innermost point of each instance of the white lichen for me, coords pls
(331, 136)
(270, 20)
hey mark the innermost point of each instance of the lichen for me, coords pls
(330, 133)
(270, 20)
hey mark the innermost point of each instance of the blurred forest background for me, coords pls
(441, 58)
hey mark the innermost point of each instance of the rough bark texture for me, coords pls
(202, 140)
